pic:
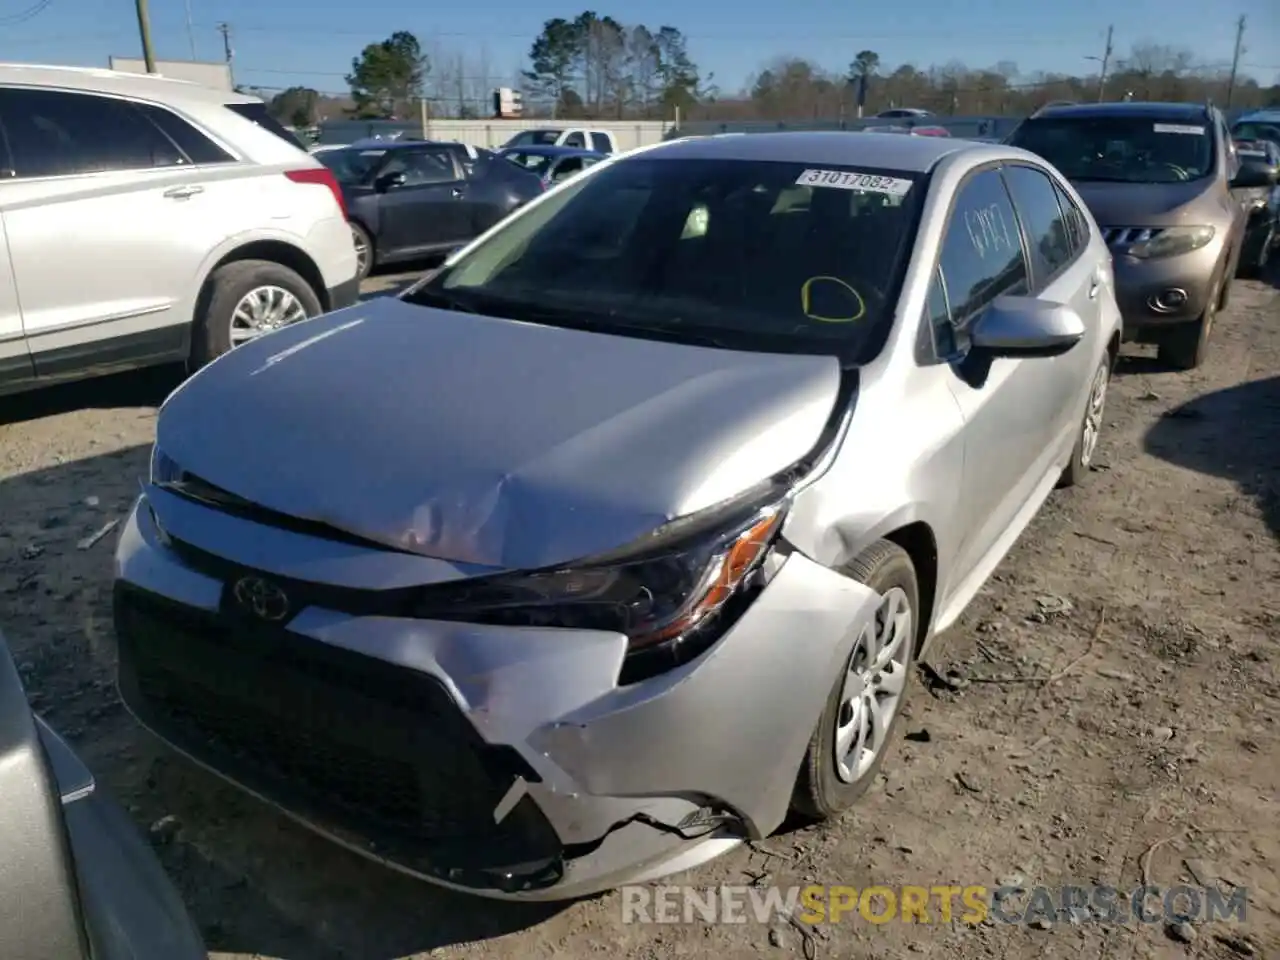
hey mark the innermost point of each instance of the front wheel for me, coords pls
(1260, 256)
(1186, 346)
(364, 250)
(856, 727)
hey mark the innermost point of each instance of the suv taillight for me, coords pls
(320, 177)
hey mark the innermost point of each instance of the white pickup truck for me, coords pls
(581, 138)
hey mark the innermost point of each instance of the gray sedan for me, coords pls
(615, 539)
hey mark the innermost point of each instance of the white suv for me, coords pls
(149, 220)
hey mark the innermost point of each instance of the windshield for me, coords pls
(351, 166)
(1123, 149)
(533, 162)
(747, 255)
(530, 138)
(1251, 130)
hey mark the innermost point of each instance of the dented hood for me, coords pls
(490, 442)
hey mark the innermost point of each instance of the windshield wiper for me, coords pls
(426, 297)
(555, 318)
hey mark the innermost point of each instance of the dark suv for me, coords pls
(1158, 178)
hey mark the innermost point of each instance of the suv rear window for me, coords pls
(257, 112)
(1129, 149)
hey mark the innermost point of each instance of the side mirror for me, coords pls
(1026, 327)
(1252, 175)
(389, 181)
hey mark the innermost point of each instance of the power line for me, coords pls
(22, 16)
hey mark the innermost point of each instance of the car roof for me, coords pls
(372, 143)
(1259, 116)
(143, 86)
(1171, 111)
(908, 154)
(551, 150)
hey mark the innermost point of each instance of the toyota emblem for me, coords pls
(262, 598)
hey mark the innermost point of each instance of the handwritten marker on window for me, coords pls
(806, 301)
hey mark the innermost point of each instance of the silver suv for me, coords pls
(148, 220)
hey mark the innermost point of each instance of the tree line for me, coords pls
(594, 66)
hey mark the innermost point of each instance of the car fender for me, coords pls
(220, 252)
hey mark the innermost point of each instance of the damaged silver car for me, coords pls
(614, 540)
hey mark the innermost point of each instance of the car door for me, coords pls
(1060, 273)
(15, 358)
(427, 210)
(1005, 407)
(105, 228)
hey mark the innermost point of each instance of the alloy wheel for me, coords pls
(874, 685)
(262, 310)
(1093, 414)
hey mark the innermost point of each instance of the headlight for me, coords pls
(1170, 242)
(163, 470)
(653, 592)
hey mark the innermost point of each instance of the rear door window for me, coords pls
(982, 255)
(1077, 226)
(1037, 204)
(257, 112)
(55, 133)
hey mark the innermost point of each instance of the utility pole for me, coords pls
(1106, 63)
(191, 34)
(1235, 59)
(227, 52)
(144, 31)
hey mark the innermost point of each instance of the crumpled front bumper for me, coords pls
(605, 784)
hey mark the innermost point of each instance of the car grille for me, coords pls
(376, 755)
(1127, 236)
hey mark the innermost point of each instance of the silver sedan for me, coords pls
(615, 539)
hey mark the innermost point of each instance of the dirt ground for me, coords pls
(1150, 598)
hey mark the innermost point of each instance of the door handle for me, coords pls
(182, 193)
(1094, 285)
(458, 193)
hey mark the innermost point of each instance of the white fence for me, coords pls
(494, 133)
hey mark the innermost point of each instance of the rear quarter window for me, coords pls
(257, 113)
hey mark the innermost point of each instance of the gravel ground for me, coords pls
(1151, 597)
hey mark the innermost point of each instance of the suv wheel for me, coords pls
(1186, 346)
(246, 299)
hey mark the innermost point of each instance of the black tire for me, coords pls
(366, 262)
(1255, 264)
(820, 793)
(1186, 346)
(1082, 458)
(229, 284)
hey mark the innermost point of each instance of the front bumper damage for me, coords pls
(506, 762)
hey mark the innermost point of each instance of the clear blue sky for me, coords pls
(311, 42)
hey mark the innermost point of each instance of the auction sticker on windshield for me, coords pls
(1179, 128)
(847, 180)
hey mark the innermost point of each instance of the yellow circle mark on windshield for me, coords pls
(806, 298)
